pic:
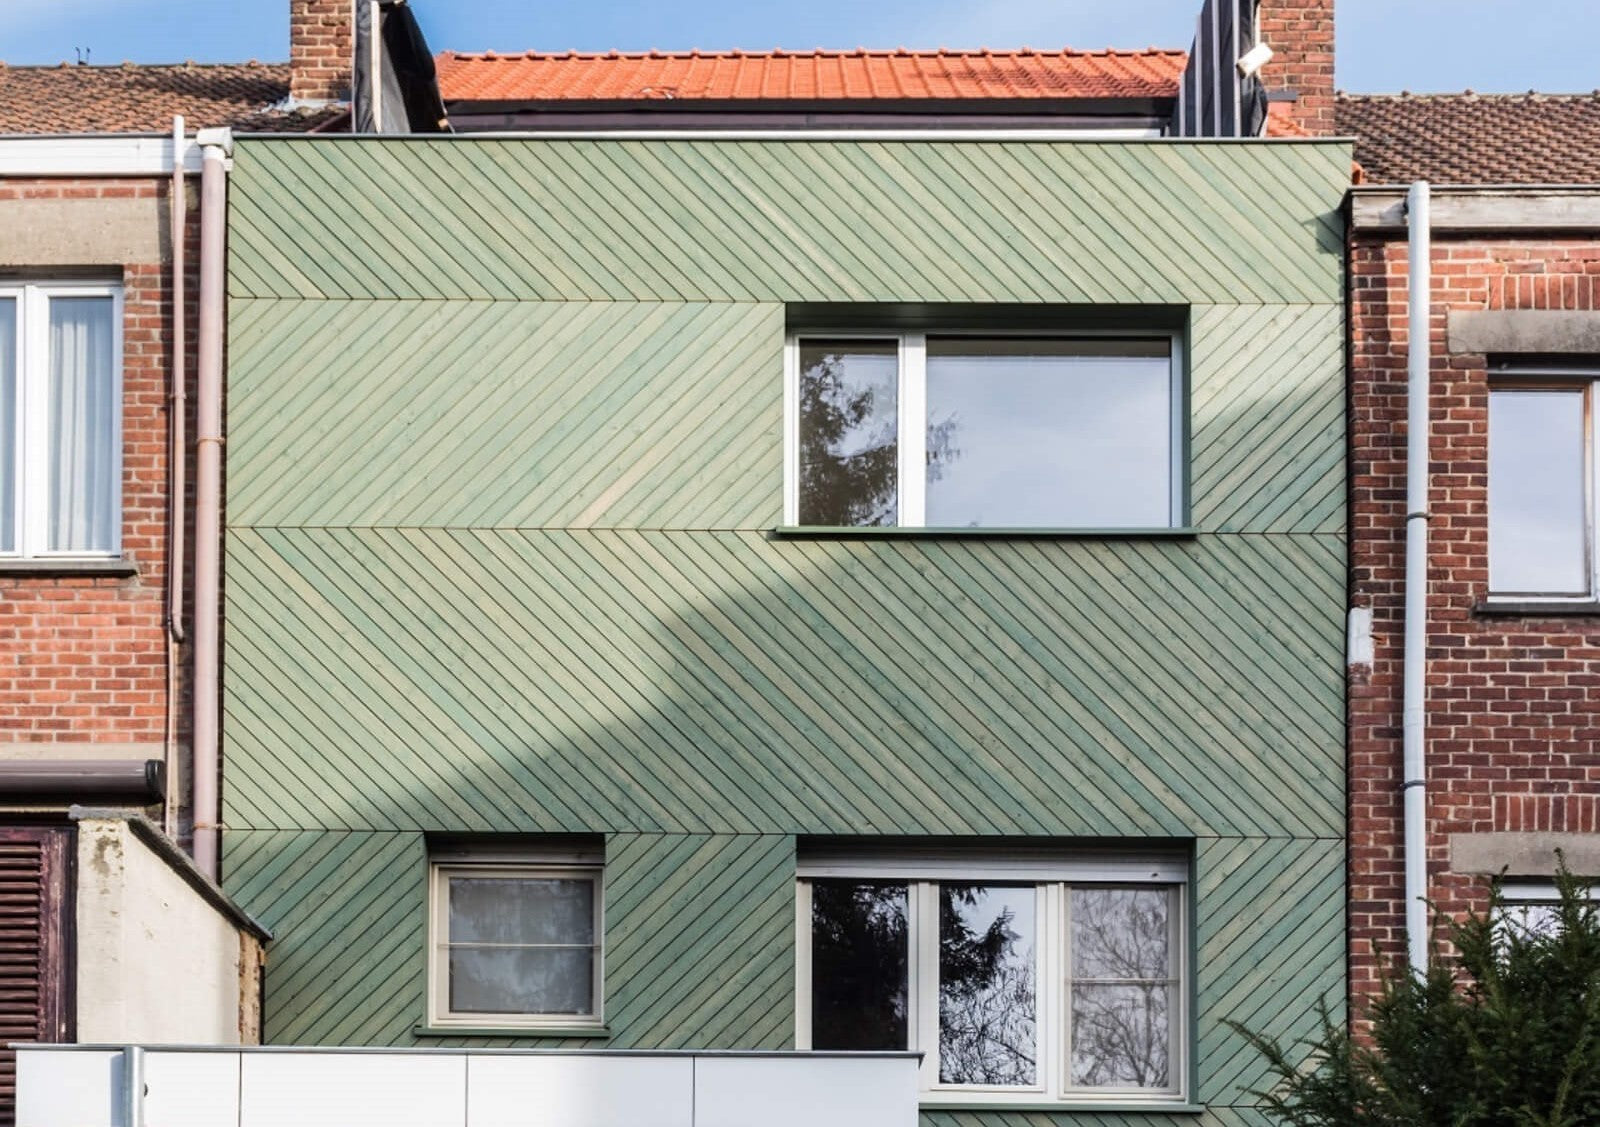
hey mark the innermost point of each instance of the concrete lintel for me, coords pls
(1524, 854)
(1512, 210)
(1545, 331)
(113, 231)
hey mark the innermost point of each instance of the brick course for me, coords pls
(85, 659)
(1513, 707)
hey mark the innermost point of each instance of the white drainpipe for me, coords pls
(216, 145)
(1420, 341)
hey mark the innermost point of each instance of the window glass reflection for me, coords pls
(988, 1017)
(858, 965)
(1049, 433)
(1122, 987)
(1538, 539)
(849, 399)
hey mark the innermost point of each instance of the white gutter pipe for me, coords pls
(177, 451)
(216, 145)
(1419, 337)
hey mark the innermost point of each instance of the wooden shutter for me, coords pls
(33, 946)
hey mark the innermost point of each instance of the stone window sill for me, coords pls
(47, 567)
(1534, 608)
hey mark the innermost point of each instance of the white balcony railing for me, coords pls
(106, 1086)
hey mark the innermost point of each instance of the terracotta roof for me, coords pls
(809, 75)
(140, 98)
(1474, 138)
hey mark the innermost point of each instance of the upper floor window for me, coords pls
(60, 419)
(515, 940)
(951, 430)
(1020, 980)
(1541, 489)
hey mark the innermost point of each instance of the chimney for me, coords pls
(1299, 78)
(320, 50)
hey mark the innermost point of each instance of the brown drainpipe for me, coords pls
(215, 146)
(176, 454)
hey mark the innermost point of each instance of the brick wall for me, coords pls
(1300, 33)
(320, 33)
(1513, 702)
(84, 658)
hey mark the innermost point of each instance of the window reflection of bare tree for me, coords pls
(849, 448)
(987, 1025)
(858, 966)
(1121, 1009)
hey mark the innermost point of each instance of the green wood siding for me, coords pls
(504, 454)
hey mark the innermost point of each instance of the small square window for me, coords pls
(515, 944)
(60, 420)
(1541, 489)
(963, 430)
(1020, 979)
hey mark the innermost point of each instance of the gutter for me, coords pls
(1419, 347)
(216, 146)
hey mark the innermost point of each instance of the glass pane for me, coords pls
(523, 910)
(1530, 919)
(1121, 933)
(9, 438)
(1049, 433)
(858, 965)
(82, 423)
(1537, 536)
(987, 985)
(849, 396)
(1120, 1035)
(522, 980)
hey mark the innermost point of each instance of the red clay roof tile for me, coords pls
(808, 75)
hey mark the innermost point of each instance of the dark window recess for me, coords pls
(34, 1004)
(858, 966)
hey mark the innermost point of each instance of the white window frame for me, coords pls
(1586, 381)
(912, 412)
(465, 864)
(1053, 877)
(30, 448)
(1536, 893)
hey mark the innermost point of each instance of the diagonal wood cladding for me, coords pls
(504, 459)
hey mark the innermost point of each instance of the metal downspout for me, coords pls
(215, 147)
(177, 452)
(1419, 336)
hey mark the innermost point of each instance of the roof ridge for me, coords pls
(107, 68)
(1433, 96)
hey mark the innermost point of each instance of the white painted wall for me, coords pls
(157, 963)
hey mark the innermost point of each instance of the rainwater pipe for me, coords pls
(215, 148)
(177, 453)
(1419, 348)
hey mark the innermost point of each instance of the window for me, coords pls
(516, 942)
(1022, 979)
(1529, 906)
(947, 430)
(1541, 490)
(60, 420)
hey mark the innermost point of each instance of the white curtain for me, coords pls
(82, 426)
(10, 440)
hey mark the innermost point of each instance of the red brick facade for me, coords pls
(1513, 707)
(320, 37)
(87, 656)
(1300, 33)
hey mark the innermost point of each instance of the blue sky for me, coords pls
(1384, 45)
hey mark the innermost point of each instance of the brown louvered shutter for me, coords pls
(33, 935)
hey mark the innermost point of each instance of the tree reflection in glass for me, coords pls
(987, 985)
(1121, 987)
(858, 965)
(849, 402)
